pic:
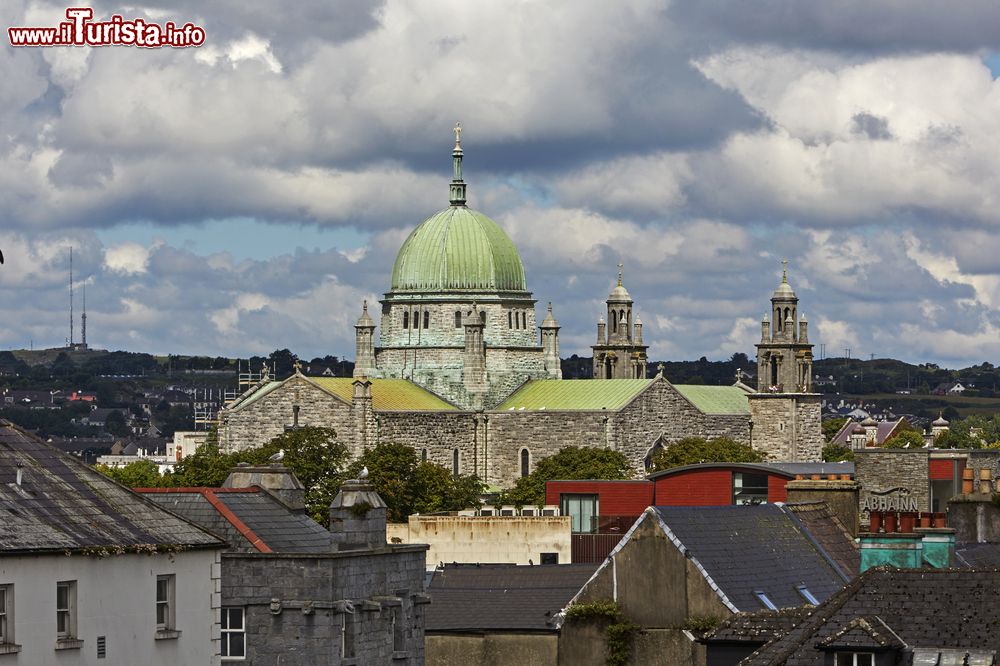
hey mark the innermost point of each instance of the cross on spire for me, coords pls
(784, 271)
(620, 267)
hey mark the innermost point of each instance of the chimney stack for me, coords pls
(276, 479)
(357, 517)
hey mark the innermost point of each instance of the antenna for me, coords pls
(83, 318)
(70, 343)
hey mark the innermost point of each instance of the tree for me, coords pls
(570, 462)
(313, 454)
(907, 439)
(115, 424)
(951, 439)
(694, 450)
(831, 427)
(138, 474)
(408, 486)
(837, 453)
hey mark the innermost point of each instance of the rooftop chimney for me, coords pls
(357, 517)
(276, 479)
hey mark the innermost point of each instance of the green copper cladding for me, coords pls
(458, 249)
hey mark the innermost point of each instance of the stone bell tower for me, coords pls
(619, 352)
(784, 412)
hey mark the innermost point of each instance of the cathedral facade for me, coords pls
(460, 370)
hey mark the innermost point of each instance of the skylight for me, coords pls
(807, 595)
(767, 603)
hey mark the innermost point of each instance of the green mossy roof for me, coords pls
(388, 395)
(458, 249)
(574, 394)
(715, 399)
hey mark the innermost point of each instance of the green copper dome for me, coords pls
(458, 249)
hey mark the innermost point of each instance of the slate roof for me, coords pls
(745, 549)
(250, 519)
(831, 534)
(574, 394)
(885, 430)
(928, 610)
(978, 555)
(758, 627)
(501, 597)
(63, 505)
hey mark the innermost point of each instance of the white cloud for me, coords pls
(126, 258)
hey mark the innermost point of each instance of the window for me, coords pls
(454, 462)
(764, 601)
(423, 455)
(6, 614)
(855, 659)
(583, 511)
(406, 319)
(525, 462)
(234, 634)
(347, 635)
(807, 595)
(458, 320)
(165, 602)
(524, 320)
(549, 558)
(427, 318)
(510, 319)
(749, 488)
(398, 630)
(66, 609)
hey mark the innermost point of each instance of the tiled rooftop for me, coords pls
(64, 505)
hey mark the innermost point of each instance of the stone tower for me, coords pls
(364, 345)
(619, 352)
(784, 355)
(455, 261)
(784, 413)
(550, 345)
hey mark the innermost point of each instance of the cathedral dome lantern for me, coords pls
(784, 355)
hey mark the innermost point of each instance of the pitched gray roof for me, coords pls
(250, 519)
(930, 609)
(502, 597)
(745, 549)
(63, 505)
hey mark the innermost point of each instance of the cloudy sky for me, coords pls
(249, 194)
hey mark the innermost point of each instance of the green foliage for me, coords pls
(956, 439)
(570, 462)
(701, 623)
(837, 453)
(408, 486)
(138, 474)
(693, 450)
(831, 427)
(907, 439)
(618, 632)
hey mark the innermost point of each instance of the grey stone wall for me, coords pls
(787, 427)
(882, 469)
(307, 626)
(256, 424)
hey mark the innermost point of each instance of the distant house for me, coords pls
(875, 433)
(98, 417)
(82, 396)
(89, 569)
(887, 616)
(949, 388)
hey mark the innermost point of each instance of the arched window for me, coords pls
(525, 462)
(524, 320)
(482, 315)
(786, 313)
(510, 319)
(406, 319)
(454, 462)
(614, 321)
(423, 455)
(458, 319)
(777, 318)
(427, 318)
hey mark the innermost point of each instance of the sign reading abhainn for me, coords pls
(893, 499)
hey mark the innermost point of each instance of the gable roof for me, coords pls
(64, 505)
(477, 598)
(745, 549)
(832, 536)
(758, 627)
(933, 610)
(250, 519)
(885, 430)
(387, 394)
(715, 399)
(574, 394)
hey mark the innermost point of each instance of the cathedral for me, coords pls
(462, 372)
